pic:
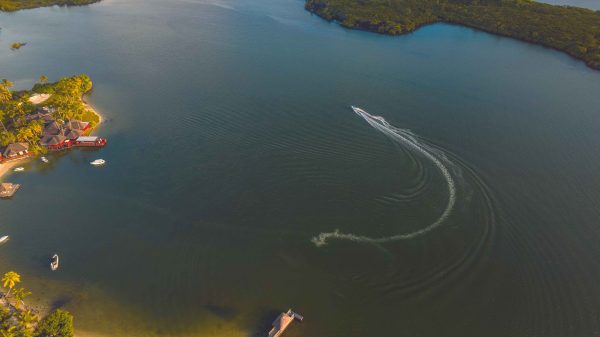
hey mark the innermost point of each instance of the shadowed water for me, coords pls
(232, 144)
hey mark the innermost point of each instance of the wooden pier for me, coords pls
(7, 190)
(283, 321)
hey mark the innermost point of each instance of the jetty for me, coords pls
(7, 190)
(283, 321)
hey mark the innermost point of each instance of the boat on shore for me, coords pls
(283, 321)
(4, 239)
(54, 262)
(98, 162)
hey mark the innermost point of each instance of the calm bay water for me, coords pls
(232, 145)
(591, 4)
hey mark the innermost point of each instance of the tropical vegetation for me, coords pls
(65, 100)
(576, 31)
(18, 320)
(15, 5)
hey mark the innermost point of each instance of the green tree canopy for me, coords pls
(58, 324)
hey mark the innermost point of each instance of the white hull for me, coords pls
(54, 262)
(98, 162)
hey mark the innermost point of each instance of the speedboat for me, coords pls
(98, 162)
(19, 169)
(4, 239)
(45, 160)
(54, 262)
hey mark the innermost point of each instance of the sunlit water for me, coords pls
(232, 144)
(591, 4)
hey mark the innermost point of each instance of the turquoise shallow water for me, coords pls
(232, 145)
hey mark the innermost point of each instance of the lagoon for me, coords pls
(232, 144)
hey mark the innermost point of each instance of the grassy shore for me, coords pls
(15, 5)
(575, 31)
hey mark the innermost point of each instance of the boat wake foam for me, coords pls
(406, 138)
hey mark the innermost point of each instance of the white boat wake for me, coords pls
(406, 138)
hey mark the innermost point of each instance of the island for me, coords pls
(575, 31)
(49, 117)
(15, 5)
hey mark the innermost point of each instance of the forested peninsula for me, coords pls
(15, 5)
(575, 31)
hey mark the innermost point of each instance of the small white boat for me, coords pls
(19, 169)
(4, 239)
(45, 160)
(98, 162)
(54, 262)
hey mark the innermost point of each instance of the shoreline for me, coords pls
(90, 108)
(360, 19)
(8, 166)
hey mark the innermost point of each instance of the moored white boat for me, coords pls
(19, 169)
(98, 162)
(4, 239)
(44, 159)
(54, 262)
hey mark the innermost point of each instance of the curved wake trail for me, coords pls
(406, 138)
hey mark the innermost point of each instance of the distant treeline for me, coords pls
(573, 30)
(15, 5)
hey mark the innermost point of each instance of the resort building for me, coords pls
(73, 134)
(78, 125)
(90, 141)
(56, 136)
(52, 129)
(54, 142)
(15, 150)
(44, 113)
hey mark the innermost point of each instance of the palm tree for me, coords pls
(43, 79)
(9, 280)
(7, 83)
(27, 317)
(19, 295)
(8, 332)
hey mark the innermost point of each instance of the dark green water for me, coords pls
(232, 145)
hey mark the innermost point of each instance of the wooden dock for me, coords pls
(283, 321)
(7, 190)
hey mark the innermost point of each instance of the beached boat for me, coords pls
(4, 239)
(54, 262)
(44, 159)
(283, 321)
(19, 169)
(98, 162)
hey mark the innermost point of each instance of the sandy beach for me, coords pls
(89, 107)
(8, 166)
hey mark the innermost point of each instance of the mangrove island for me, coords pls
(575, 31)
